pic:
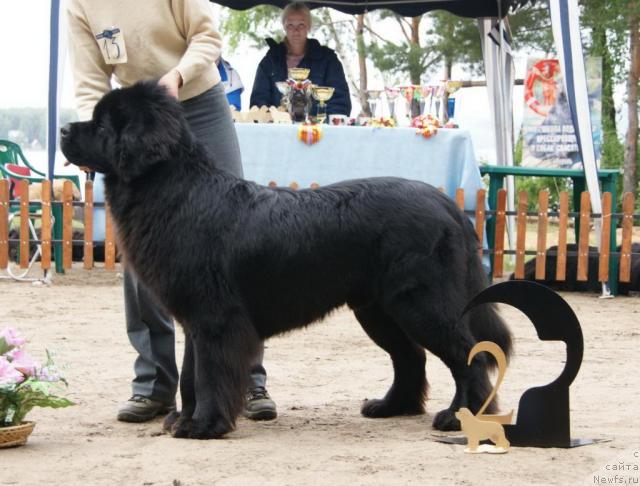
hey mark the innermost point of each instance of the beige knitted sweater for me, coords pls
(154, 37)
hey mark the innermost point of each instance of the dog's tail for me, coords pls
(484, 321)
(487, 325)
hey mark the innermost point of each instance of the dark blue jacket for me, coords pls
(326, 70)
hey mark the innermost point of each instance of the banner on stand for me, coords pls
(547, 129)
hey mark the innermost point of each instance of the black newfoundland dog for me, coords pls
(236, 262)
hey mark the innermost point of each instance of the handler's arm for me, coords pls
(195, 20)
(91, 75)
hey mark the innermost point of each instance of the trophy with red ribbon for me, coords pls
(299, 94)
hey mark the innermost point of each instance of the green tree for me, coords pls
(610, 34)
(253, 25)
(408, 56)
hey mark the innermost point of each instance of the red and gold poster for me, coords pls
(548, 134)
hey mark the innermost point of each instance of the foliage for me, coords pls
(606, 30)
(254, 24)
(531, 28)
(533, 185)
(24, 384)
(452, 39)
(456, 40)
(396, 59)
(607, 36)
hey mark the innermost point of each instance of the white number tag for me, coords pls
(111, 42)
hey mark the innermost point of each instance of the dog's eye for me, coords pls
(100, 129)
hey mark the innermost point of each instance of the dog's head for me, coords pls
(132, 129)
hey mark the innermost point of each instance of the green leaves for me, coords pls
(254, 24)
(16, 401)
(24, 384)
(4, 347)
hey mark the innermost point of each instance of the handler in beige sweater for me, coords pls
(174, 40)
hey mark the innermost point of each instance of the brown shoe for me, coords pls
(142, 409)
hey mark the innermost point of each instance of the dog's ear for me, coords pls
(152, 129)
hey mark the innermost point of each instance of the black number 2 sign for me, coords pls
(543, 412)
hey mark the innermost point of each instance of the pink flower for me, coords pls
(12, 337)
(8, 374)
(24, 363)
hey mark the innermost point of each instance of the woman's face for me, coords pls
(296, 27)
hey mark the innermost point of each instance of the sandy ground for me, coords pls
(318, 377)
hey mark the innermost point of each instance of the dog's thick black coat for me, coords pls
(236, 262)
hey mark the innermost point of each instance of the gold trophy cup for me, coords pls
(322, 94)
(299, 74)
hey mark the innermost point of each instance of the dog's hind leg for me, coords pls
(432, 320)
(223, 348)
(408, 391)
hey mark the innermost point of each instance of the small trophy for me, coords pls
(300, 93)
(322, 94)
(425, 92)
(452, 87)
(373, 98)
(407, 93)
(299, 74)
(392, 96)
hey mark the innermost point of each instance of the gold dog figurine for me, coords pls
(476, 430)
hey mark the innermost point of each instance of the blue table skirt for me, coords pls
(273, 153)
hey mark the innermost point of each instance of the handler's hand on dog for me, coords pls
(172, 82)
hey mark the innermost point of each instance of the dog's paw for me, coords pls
(382, 408)
(181, 429)
(170, 420)
(446, 420)
(204, 429)
(376, 408)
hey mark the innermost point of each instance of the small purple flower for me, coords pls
(49, 373)
(8, 374)
(12, 337)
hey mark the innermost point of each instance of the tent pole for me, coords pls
(565, 22)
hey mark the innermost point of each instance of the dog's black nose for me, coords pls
(65, 130)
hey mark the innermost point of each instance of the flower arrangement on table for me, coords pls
(427, 125)
(382, 122)
(24, 384)
(309, 133)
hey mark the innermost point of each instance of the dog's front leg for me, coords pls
(222, 356)
(179, 423)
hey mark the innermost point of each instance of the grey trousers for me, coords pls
(149, 327)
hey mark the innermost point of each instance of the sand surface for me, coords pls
(318, 377)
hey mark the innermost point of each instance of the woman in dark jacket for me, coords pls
(299, 51)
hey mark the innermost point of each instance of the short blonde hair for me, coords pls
(296, 7)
